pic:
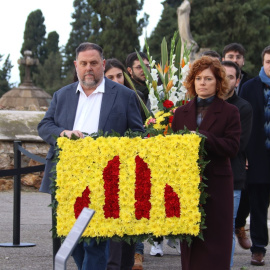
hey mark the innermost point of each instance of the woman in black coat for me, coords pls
(220, 123)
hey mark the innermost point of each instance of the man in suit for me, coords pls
(257, 92)
(235, 52)
(239, 162)
(92, 104)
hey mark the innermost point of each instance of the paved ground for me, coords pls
(35, 228)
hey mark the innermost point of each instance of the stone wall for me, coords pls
(20, 126)
(7, 162)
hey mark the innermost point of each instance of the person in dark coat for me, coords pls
(239, 162)
(257, 92)
(235, 52)
(219, 121)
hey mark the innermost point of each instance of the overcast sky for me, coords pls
(57, 14)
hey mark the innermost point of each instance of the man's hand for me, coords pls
(70, 132)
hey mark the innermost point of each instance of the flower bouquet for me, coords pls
(166, 85)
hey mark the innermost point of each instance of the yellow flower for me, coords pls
(172, 160)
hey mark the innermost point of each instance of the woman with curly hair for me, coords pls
(219, 121)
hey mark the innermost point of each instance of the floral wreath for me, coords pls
(138, 187)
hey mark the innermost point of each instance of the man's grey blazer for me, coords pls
(120, 111)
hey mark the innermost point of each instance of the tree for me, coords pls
(34, 39)
(110, 23)
(245, 22)
(49, 75)
(5, 75)
(85, 27)
(166, 27)
(119, 28)
(52, 42)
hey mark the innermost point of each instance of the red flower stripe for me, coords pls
(172, 203)
(82, 202)
(111, 186)
(142, 189)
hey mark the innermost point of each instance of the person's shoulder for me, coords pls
(245, 76)
(223, 105)
(121, 89)
(243, 104)
(251, 82)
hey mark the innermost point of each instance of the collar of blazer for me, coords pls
(107, 102)
(211, 116)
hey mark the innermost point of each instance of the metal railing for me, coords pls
(16, 173)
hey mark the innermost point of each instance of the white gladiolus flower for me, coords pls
(151, 92)
(154, 74)
(160, 88)
(154, 109)
(182, 96)
(175, 79)
(173, 89)
(173, 69)
(183, 89)
(174, 99)
(153, 101)
(185, 70)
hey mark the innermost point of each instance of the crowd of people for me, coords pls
(231, 109)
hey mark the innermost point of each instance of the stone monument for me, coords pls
(183, 12)
(27, 96)
(21, 109)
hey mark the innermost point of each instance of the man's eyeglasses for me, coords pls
(140, 67)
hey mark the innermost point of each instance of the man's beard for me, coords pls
(89, 84)
(137, 79)
(229, 94)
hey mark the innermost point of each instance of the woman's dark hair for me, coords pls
(215, 66)
(115, 63)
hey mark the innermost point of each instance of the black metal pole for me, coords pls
(17, 195)
(17, 201)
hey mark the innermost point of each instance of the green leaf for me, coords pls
(74, 137)
(173, 46)
(145, 69)
(164, 53)
(146, 111)
(177, 62)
